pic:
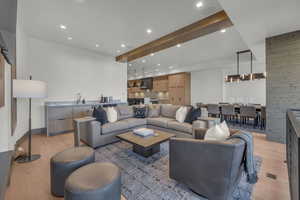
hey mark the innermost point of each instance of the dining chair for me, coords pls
(263, 117)
(247, 113)
(228, 113)
(213, 110)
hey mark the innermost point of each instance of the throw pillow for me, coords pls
(181, 114)
(139, 112)
(193, 115)
(217, 132)
(153, 110)
(100, 115)
(225, 128)
(112, 114)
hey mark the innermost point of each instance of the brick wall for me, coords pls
(283, 81)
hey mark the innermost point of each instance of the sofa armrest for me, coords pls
(86, 129)
(204, 164)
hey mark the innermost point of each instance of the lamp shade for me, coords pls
(29, 89)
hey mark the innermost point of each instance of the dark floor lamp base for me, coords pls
(26, 159)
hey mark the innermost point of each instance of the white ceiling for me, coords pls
(207, 50)
(259, 19)
(110, 23)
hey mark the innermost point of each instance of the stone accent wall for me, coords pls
(283, 81)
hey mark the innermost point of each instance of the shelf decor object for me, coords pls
(29, 89)
(244, 77)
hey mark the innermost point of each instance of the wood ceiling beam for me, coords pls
(205, 26)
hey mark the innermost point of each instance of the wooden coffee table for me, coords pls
(146, 146)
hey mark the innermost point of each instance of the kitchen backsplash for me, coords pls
(152, 94)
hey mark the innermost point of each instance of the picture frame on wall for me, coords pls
(2, 81)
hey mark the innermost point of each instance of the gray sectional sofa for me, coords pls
(95, 134)
(212, 169)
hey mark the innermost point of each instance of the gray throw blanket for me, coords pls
(248, 158)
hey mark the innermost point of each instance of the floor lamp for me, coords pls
(29, 89)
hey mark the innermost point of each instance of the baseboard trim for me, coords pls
(39, 131)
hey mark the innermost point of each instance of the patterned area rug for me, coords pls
(148, 178)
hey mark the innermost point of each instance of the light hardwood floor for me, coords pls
(31, 181)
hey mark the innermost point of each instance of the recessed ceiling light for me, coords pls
(118, 51)
(70, 38)
(149, 31)
(97, 45)
(171, 67)
(178, 45)
(199, 4)
(123, 45)
(158, 64)
(157, 70)
(130, 64)
(223, 30)
(63, 27)
(152, 54)
(143, 61)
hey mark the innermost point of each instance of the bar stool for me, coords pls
(213, 110)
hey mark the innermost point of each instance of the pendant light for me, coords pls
(245, 77)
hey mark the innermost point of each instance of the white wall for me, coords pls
(247, 91)
(5, 113)
(22, 73)
(7, 141)
(69, 70)
(207, 86)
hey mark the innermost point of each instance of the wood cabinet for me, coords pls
(160, 84)
(177, 86)
(180, 89)
(60, 119)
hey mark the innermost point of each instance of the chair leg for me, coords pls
(241, 119)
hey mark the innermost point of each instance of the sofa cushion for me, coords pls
(100, 115)
(193, 115)
(181, 113)
(183, 127)
(168, 110)
(153, 110)
(134, 122)
(217, 132)
(124, 112)
(112, 114)
(140, 112)
(116, 126)
(159, 121)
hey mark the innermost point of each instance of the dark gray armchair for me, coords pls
(210, 168)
